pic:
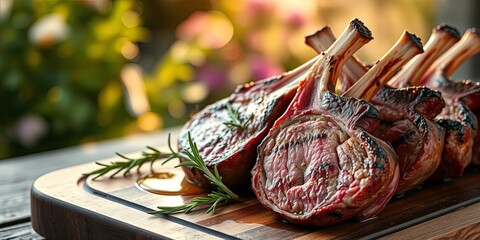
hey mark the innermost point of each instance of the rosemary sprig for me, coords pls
(193, 159)
(213, 198)
(235, 118)
(131, 163)
(223, 193)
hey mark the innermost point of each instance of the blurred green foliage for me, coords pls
(84, 70)
(60, 64)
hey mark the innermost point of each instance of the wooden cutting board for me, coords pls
(67, 206)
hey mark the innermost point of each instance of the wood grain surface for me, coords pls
(18, 174)
(117, 208)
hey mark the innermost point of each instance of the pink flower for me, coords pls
(212, 76)
(256, 10)
(30, 129)
(192, 26)
(261, 68)
(295, 19)
(212, 29)
(255, 7)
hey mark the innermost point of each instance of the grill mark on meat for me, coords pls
(368, 116)
(469, 118)
(292, 144)
(326, 172)
(454, 126)
(404, 137)
(422, 124)
(373, 147)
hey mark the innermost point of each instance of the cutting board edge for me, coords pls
(59, 201)
(89, 223)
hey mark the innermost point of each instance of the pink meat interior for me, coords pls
(312, 162)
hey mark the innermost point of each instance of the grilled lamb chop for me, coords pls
(406, 119)
(461, 97)
(234, 149)
(471, 97)
(319, 164)
(406, 122)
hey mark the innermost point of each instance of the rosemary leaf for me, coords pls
(212, 199)
(192, 158)
(235, 121)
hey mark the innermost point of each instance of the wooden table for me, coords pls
(18, 174)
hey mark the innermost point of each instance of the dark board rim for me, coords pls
(198, 227)
(38, 201)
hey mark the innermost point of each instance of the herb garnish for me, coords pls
(131, 163)
(193, 159)
(235, 118)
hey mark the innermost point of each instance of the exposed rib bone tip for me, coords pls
(361, 28)
(473, 30)
(318, 32)
(448, 29)
(416, 40)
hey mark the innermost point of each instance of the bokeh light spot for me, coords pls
(136, 98)
(179, 51)
(218, 32)
(176, 108)
(48, 30)
(239, 73)
(195, 92)
(110, 96)
(212, 29)
(55, 94)
(129, 50)
(130, 19)
(149, 121)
